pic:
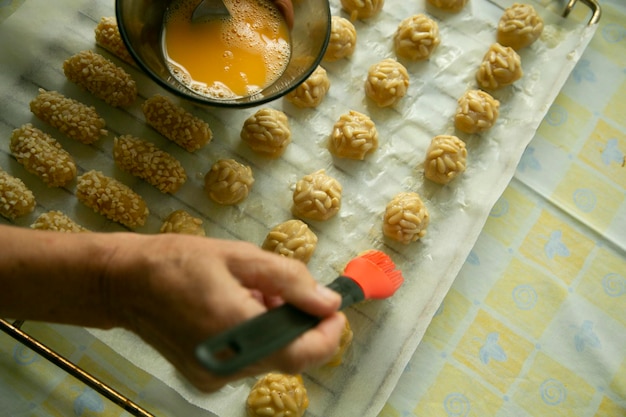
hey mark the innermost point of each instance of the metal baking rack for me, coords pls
(14, 329)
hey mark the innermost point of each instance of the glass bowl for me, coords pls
(141, 26)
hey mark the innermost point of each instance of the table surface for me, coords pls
(535, 323)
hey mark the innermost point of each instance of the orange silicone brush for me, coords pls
(372, 275)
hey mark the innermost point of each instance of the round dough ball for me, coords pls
(344, 343)
(501, 66)
(387, 82)
(228, 182)
(292, 239)
(277, 395)
(406, 218)
(342, 39)
(354, 136)
(477, 112)
(416, 38)
(453, 6)
(362, 9)
(519, 26)
(312, 91)
(317, 196)
(267, 132)
(445, 159)
(180, 221)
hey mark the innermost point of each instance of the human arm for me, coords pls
(172, 290)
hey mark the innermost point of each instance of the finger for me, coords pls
(314, 348)
(289, 279)
(286, 8)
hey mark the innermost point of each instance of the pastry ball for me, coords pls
(362, 9)
(387, 82)
(477, 112)
(501, 66)
(342, 39)
(179, 221)
(317, 196)
(449, 5)
(519, 26)
(267, 132)
(354, 136)
(406, 218)
(278, 395)
(228, 182)
(445, 159)
(312, 91)
(292, 239)
(344, 343)
(416, 37)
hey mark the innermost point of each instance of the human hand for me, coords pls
(286, 8)
(175, 291)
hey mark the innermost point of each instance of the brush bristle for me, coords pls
(376, 273)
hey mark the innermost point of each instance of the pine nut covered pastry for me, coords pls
(42, 155)
(354, 136)
(362, 9)
(445, 159)
(293, 239)
(180, 221)
(519, 26)
(477, 111)
(312, 91)
(342, 42)
(406, 218)
(453, 6)
(387, 82)
(501, 66)
(277, 395)
(267, 132)
(70, 117)
(228, 182)
(416, 38)
(317, 196)
(101, 77)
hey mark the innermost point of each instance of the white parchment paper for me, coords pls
(38, 37)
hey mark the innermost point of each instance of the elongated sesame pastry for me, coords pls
(72, 118)
(57, 221)
(108, 36)
(111, 198)
(16, 199)
(145, 160)
(42, 155)
(176, 123)
(101, 77)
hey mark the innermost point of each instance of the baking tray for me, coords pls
(42, 34)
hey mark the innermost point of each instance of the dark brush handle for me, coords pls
(256, 338)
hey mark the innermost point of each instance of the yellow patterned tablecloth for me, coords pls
(535, 323)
